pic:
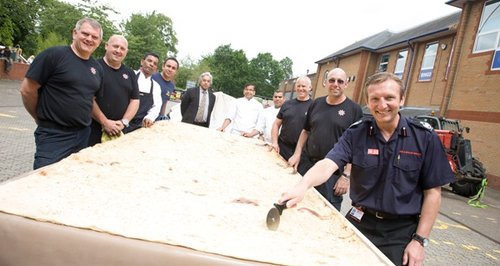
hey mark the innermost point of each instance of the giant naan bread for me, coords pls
(189, 186)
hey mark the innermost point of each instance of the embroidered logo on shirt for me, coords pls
(92, 69)
(125, 76)
(418, 154)
(372, 151)
(341, 112)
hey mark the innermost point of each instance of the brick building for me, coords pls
(450, 65)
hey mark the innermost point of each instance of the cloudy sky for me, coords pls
(304, 31)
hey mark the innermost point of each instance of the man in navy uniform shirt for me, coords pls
(398, 168)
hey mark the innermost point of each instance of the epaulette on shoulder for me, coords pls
(359, 122)
(421, 124)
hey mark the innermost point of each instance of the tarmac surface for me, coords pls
(462, 234)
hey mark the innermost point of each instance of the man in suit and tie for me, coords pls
(197, 103)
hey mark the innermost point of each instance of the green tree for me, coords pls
(229, 69)
(149, 33)
(286, 65)
(101, 13)
(185, 72)
(232, 70)
(52, 39)
(267, 74)
(17, 23)
(57, 20)
(6, 30)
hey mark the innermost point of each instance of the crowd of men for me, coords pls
(392, 166)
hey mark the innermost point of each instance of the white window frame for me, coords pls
(429, 56)
(481, 35)
(495, 61)
(399, 69)
(383, 64)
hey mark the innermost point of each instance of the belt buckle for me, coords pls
(377, 214)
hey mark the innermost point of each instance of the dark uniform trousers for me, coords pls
(325, 189)
(286, 149)
(391, 234)
(54, 142)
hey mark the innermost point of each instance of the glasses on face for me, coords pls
(339, 81)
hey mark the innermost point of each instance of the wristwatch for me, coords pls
(420, 239)
(346, 175)
(125, 122)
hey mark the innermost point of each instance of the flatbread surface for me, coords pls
(193, 187)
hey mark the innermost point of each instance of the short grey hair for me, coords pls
(205, 74)
(306, 79)
(93, 23)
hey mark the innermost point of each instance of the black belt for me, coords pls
(384, 215)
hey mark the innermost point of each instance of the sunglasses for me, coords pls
(339, 81)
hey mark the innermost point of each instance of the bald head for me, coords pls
(116, 50)
(337, 72)
(118, 38)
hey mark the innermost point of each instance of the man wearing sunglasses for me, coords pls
(327, 118)
(398, 168)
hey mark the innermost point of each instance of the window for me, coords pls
(428, 62)
(495, 64)
(400, 63)
(489, 27)
(384, 61)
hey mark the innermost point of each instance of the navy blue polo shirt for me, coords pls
(390, 176)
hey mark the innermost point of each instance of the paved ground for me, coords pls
(462, 235)
(16, 132)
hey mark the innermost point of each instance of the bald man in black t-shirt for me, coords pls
(119, 102)
(327, 118)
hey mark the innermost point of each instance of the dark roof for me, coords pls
(387, 39)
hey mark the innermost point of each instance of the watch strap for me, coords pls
(420, 239)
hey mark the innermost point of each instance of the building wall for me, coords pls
(474, 100)
(429, 93)
(349, 64)
(474, 88)
(287, 86)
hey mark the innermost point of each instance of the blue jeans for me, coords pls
(53, 145)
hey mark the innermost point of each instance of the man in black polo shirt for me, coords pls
(120, 100)
(327, 118)
(290, 119)
(58, 92)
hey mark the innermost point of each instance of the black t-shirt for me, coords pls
(293, 115)
(68, 86)
(326, 123)
(119, 87)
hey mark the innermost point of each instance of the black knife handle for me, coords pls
(281, 206)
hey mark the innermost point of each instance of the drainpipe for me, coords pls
(408, 73)
(464, 21)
